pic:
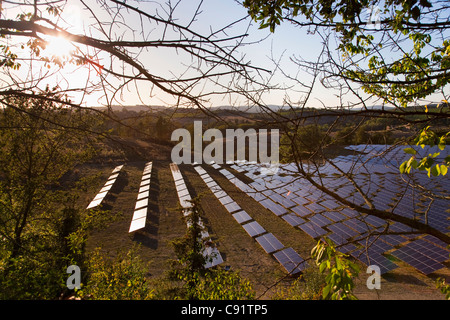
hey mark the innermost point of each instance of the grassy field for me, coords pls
(239, 250)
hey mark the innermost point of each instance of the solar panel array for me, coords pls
(140, 210)
(299, 204)
(211, 253)
(288, 258)
(104, 191)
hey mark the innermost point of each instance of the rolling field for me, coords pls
(239, 251)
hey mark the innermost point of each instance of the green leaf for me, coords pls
(410, 151)
(322, 266)
(434, 155)
(444, 169)
(403, 167)
(435, 171)
(326, 291)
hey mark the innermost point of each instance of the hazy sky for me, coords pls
(262, 50)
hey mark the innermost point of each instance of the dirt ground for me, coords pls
(237, 248)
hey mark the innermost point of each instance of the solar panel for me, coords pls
(357, 225)
(232, 207)
(213, 257)
(183, 192)
(256, 195)
(343, 230)
(180, 187)
(200, 170)
(113, 176)
(220, 193)
(94, 203)
(144, 188)
(290, 260)
(101, 195)
(337, 238)
(143, 195)
(293, 219)
(110, 182)
(117, 169)
(141, 203)
(241, 217)
(225, 200)
(334, 216)
(105, 189)
(301, 211)
(211, 253)
(215, 166)
(253, 228)
(417, 259)
(185, 201)
(272, 206)
(269, 243)
(137, 224)
(140, 213)
(312, 229)
(300, 200)
(315, 207)
(330, 204)
(320, 220)
(179, 182)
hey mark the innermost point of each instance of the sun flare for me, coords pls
(58, 47)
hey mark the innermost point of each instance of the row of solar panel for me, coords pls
(104, 191)
(383, 182)
(316, 219)
(287, 257)
(211, 252)
(141, 207)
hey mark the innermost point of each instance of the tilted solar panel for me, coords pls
(269, 242)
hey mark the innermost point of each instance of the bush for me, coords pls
(122, 278)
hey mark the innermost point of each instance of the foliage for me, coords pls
(427, 137)
(308, 286)
(197, 282)
(42, 229)
(340, 271)
(122, 278)
(444, 287)
(305, 140)
(415, 74)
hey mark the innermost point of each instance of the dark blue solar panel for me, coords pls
(269, 243)
(320, 220)
(350, 213)
(300, 200)
(232, 207)
(338, 239)
(272, 206)
(290, 260)
(357, 225)
(225, 200)
(417, 259)
(315, 207)
(334, 216)
(312, 229)
(377, 259)
(253, 228)
(341, 229)
(330, 204)
(301, 211)
(293, 219)
(242, 216)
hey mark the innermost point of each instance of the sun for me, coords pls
(58, 47)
